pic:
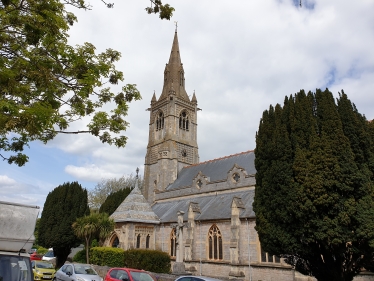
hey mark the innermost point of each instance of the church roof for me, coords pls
(135, 208)
(212, 207)
(215, 170)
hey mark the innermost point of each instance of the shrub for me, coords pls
(80, 256)
(107, 256)
(149, 260)
(41, 250)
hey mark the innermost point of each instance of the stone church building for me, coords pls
(199, 213)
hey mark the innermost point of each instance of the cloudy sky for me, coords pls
(239, 57)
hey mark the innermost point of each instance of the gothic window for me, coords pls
(115, 242)
(138, 241)
(160, 121)
(173, 243)
(265, 257)
(199, 183)
(147, 241)
(183, 121)
(215, 243)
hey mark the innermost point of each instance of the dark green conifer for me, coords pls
(314, 199)
(114, 200)
(63, 206)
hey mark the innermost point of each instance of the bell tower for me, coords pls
(172, 141)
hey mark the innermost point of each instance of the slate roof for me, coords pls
(216, 169)
(212, 207)
(135, 208)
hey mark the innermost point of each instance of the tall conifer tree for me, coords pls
(63, 206)
(314, 199)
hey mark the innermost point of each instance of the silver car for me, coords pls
(196, 278)
(77, 272)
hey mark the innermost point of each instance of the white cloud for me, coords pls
(239, 58)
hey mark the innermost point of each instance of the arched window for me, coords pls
(115, 242)
(147, 241)
(138, 241)
(215, 243)
(160, 121)
(183, 121)
(173, 243)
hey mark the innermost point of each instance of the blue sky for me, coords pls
(239, 58)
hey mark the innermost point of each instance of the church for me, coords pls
(198, 212)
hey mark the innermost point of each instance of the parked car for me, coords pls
(43, 270)
(77, 272)
(196, 278)
(35, 257)
(128, 274)
(48, 255)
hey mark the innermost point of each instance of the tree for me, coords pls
(46, 84)
(62, 207)
(314, 196)
(88, 227)
(113, 200)
(105, 187)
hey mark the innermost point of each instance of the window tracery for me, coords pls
(215, 243)
(184, 121)
(160, 120)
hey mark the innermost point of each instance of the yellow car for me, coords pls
(43, 270)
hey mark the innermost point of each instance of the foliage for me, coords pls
(149, 260)
(41, 250)
(103, 189)
(107, 256)
(114, 200)
(165, 11)
(46, 84)
(80, 256)
(95, 224)
(63, 206)
(314, 200)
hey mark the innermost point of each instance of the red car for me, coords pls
(35, 257)
(128, 274)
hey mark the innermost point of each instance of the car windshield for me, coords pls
(43, 265)
(141, 276)
(49, 254)
(15, 268)
(84, 269)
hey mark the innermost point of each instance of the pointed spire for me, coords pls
(174, 73)
(194, 100)
(154, 97)
(174, 55)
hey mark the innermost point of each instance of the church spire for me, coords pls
(174, 74)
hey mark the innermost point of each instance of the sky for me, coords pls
(239, 57)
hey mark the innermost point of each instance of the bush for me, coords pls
(80, 256)
(41, 250)
(107, 256)
(149, 260)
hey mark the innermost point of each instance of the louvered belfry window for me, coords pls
(215, 243)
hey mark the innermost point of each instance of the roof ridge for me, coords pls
(220, 158)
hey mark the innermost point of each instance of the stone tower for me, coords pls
(172, 140)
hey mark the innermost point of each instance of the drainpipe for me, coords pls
(249, 253)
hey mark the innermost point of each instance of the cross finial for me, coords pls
(176, 26)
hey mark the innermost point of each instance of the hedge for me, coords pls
(106, 256)
(149, 260)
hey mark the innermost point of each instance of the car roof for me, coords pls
(128, 268)
(206, 278)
